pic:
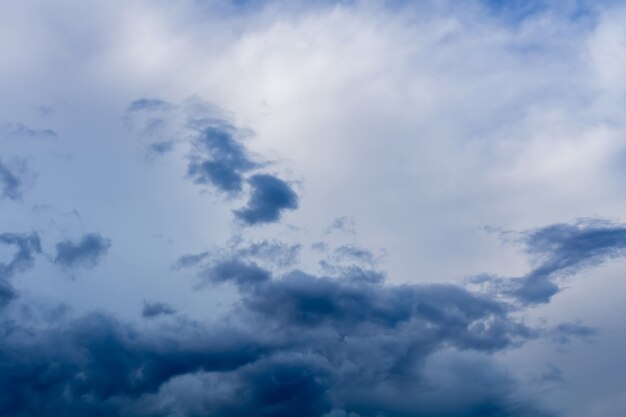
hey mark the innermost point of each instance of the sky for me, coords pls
(312, 208)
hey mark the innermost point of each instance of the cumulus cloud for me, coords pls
(85, 253)
(270, 197)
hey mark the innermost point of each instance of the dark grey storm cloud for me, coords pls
(85, 253)
(298, 344)
(347, 345)
(155, 309)
(270, 197)
(564, 249)
(353, 345)
(98, 366)
(10, 183)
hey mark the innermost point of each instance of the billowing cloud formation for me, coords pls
(338, 346)
(9, 183)
(85, 253)
(270, 197)
(98, 366)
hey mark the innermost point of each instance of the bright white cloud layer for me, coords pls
(321, 209)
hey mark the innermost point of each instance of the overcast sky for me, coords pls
(312, 208)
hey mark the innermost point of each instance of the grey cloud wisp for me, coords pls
(562, 250)
(218, 156)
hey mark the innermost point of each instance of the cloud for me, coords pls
(279, 386)
(11, 184)
(353, 252)
(86, 253)
(565, 332)
(161, 148)
(27, 247)
(564, 249)
(149, 104)
(270, 196)
(241, 273)
(272, 251)
(95, 365)
(359, 346)
(191, 260)
(155, 309)
(220, 159)
(297, 345)
(218, 156)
